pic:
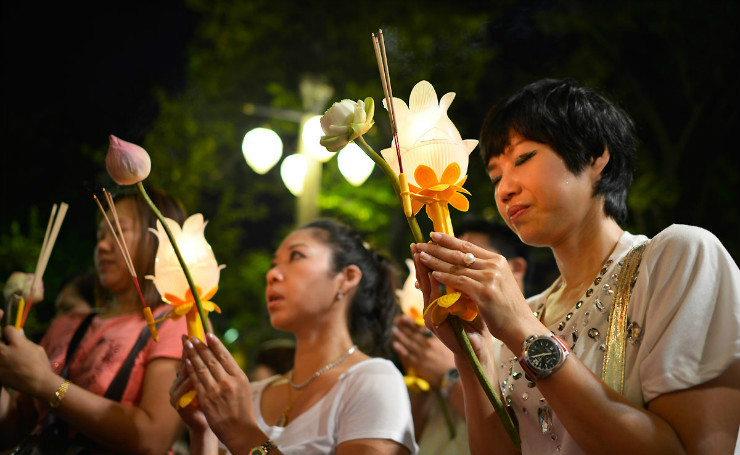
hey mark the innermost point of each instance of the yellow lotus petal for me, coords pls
(183, 309)
(425, 176)
(439, 187)
(439, 315)
(460, 202)
(416, 206)
(451, 173)
(172, 299)
(186, 399)
(416, 384)
(447, 300)
(210, 293)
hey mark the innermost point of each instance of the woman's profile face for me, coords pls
(301, 285)
(538, 196)
(109, 263)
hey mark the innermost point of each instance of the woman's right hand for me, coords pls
(224, 392)
(488, 281)
(477, 331)
(24, 365)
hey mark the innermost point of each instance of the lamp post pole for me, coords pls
(307, 204)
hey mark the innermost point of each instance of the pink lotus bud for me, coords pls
(127, 163)
(21, 282)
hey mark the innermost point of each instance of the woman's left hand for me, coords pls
(488, 281)
(224, 393)
(24, 365)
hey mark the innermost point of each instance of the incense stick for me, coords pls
(50, 237)
(125, 251)
(126, 259)
(385, 78)
(123, 248)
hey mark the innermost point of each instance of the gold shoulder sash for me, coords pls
(613, 369)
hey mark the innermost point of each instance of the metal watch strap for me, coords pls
(264, 449)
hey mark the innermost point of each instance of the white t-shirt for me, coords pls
(369, 401)
(683, 328)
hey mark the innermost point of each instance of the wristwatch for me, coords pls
(542, 355)
(449, 379)
(264, 448)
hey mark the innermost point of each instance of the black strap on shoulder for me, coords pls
(120, 381)
(75, 343)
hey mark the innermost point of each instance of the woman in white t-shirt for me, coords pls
(560, 158)
(336, 295)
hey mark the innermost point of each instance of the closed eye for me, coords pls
(524, 157)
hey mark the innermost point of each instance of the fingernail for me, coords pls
(189, 345)
(435, 235)
(195, 340)
(210, 336)
(424, 255)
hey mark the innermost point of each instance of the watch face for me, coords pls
(543, 354)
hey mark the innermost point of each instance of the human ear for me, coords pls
(599, 163)
(351, 276)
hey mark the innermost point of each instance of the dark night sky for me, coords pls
(71, 75)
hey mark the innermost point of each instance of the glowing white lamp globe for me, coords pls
(311, 136)
(293, 171)
(354, 164)
(262, 148)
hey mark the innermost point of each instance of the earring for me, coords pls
(340, 295)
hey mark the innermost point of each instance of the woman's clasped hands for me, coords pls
(224, 397)
(485, 278)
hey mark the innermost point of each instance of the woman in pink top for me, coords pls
(66, 406)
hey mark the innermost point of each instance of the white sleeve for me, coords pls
(376, 406)
(689, 290)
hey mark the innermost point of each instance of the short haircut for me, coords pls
(578, 124)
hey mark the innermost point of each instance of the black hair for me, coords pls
(374, 305)
(578, 123)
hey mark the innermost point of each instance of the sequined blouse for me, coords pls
(683, 328)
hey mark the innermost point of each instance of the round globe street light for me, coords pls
(311, 136)
(262, 148)
(354, 164)
(293, 172)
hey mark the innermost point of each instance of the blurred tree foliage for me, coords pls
(673, 66)
(657, 59)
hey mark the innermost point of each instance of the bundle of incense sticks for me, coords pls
(385, 78)
(121, 242)
(50, 237)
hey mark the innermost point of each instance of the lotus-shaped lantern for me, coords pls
(436, 156)
(170, 279)
(432, 151)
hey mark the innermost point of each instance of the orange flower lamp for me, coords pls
(170, 279)
(437, 156)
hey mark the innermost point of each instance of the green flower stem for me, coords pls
(462, 336)
(160, 217)
(413, 224)
(493, 396)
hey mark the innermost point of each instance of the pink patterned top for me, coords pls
(105, 346)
